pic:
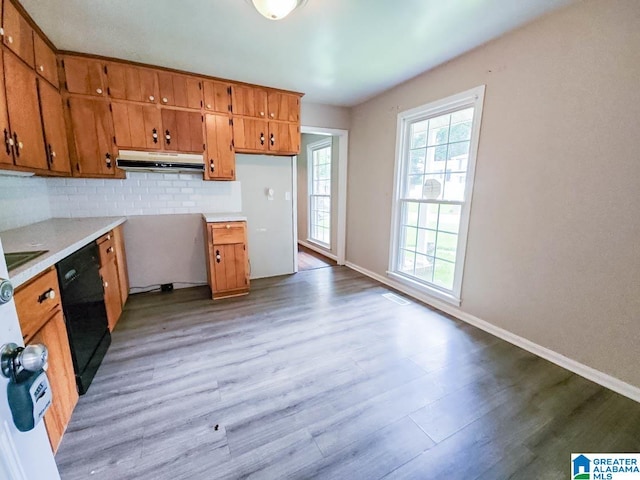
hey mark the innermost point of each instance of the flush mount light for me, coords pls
(276, 9)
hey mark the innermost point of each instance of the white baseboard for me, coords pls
(318, 249)
(607, 381)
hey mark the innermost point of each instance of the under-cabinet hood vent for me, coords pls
(160, 162)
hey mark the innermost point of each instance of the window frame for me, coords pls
(469, 98)
(318, 145)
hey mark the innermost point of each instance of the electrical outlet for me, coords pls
(166, 287)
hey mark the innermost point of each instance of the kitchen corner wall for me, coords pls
(23, 200)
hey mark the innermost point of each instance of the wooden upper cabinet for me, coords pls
(6, 151)
(137, 126)
(84, 76)
(93, 137)
(220, 161)
(18, 34)
(127, 82)
(180, 90)
(284, 137)
(182, 131)
(250, 134)
(46, 65)
(24, 113)
(56, 146)
(249, 101)
(217, 96)
(284, 106)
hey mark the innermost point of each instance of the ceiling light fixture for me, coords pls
(276, 9)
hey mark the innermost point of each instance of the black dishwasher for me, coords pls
(85, 312)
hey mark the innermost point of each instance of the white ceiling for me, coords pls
(338, 52)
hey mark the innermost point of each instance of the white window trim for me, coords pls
(473, 97)
(320, 144)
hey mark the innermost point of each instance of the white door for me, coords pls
(23, 455)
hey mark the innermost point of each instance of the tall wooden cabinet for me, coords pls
(227, 258)
(55, 134)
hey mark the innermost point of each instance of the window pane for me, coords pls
(406, 261)
(428, 217)
(458, 157)
(418, 134)
(462, 115)
(416, 161)
(436, 159)
(439, 130)
(449, 219)
(410, 213)
(409, 235)
(454, 186)
(443, 274)
(446, 246)
(432, 187)
(413, 188)
(424, 267)
(426, 242)
(460, 131)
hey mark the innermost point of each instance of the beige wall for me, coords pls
(303, 188)
(554, 240)
(320, 115)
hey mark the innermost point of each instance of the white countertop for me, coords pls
(224, 217)
(61, 236)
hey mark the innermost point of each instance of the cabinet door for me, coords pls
(249, 101)
(250, 134)
(46, 64)
(24, 113)
(113, 303)
(61, 377)
(182, 131)
(284, 107)
(220, 161)
(55, 133)
(121, 263)
(217, 96)
(93, 136)
(136, 126)
(18, 34)
(284, 137)
(136, 84)
(84, 75)
(230, 267)
(6, 151)
(180, 90)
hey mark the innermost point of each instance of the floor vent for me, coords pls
(396, 298)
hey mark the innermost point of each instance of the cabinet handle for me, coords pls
(48, 295)
(107, 159)
(51, 154)
(212, 165)
(151, 98)
(209, 106)
(165, 100)
(7, 141)
(167, 137)
(18, 144)
(218, 257)
(273, 140)
(261, 138)
(154, 135)
(41, 68)
(99, 91)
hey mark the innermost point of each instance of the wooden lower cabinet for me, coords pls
(42, 321)
(121, 263)
(227, 259)
(61, 377)
(113, 270)
(112, 300)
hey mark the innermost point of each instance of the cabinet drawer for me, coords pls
(224, 233)
(36, 301)
(106, 248)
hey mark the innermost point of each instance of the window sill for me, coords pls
(425, 289)
(316, 243)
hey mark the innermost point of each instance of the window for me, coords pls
(437, 146)
(319, 155)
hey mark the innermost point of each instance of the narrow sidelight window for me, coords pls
(319, 168)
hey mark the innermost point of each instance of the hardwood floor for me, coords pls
(310, 260)
(316, 375)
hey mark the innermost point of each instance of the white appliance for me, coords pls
(160, 161)
(23, 455)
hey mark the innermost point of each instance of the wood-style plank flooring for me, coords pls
(316, 375)
(310, 260)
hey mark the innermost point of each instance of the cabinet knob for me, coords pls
(108, 237)
(212, 166)
(261, 138)
(20, 145)
(273, 139)
(48, 295)
(262, 114)
(154, 135)
(165, 99)
(151, 98)
(209, 106)
(110, 250)
(10, 39)
(218, 257)
(107, 159)
(53, 154)
(273, 115)
(99, 91)
(106, 284)
(228, 227)
(41, 68)
(167, 137)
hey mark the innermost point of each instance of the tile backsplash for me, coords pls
(23, 200)
(142, 194)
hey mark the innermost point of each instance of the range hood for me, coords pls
(160, 162)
